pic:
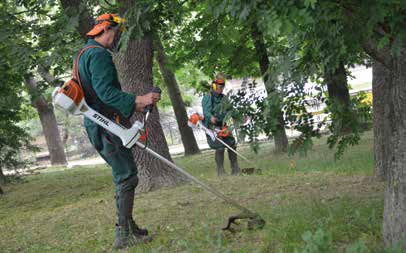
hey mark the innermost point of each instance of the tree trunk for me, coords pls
(186, 133)
(281, 139)
(65, 136)
(49, 124)
(338, 101)
(394, 220)
(381, 84)
(3, 178)
(135, 70)
(337, 85)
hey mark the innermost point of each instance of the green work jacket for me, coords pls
(211, 107)
(96, 68)
(211, 104)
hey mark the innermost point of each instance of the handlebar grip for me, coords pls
(149, 108)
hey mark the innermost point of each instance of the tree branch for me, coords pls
(47, 76)
(381, 55)
(37, 100)
(109, 4)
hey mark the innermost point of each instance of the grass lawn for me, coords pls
(310, 204)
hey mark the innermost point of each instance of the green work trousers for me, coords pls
(113, 152)
(123, 167)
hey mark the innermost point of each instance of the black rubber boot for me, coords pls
(136, 230)
(235, 169)
(219, 157)
(123, 238)
(127, 233)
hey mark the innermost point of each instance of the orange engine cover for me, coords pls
(194, 118)
(73, 90)
(224, 132)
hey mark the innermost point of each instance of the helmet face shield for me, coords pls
(118, 24)
(115, 47)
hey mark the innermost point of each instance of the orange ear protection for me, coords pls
(218, 82)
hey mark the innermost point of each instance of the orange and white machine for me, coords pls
(71, 99)
(195, 122)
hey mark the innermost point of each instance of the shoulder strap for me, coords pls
(106, 110)
(76, 64)
(212, 102)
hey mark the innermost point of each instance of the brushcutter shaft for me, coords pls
(197, 181)
(235, 151)
(225, 144)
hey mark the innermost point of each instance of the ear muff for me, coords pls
(217, 82)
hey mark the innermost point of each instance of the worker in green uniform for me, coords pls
(214, 119)
(103, 93)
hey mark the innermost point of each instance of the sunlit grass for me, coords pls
(73, 210)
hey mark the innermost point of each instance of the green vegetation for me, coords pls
(309, 203)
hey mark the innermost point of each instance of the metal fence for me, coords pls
(172, 134)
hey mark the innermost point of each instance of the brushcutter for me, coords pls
(70, 98)
(195, 121)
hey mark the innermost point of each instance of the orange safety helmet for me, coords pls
(106, 20)
(219, 80)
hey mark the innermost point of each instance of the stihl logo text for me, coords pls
(102, 120)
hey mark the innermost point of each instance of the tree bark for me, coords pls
(394, 220)
(135, 71)
(49, 124)
(46, 75)
(381, 83)
(281, 139)
(186, 133)
(2, 181)
(3, 178)
(337, 85)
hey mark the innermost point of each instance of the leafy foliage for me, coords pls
(347, 123)
(250, 120)
(12, 136)
(306, 40)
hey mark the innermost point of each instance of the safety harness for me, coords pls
(211, 94)
(91, 97)
(223, 132)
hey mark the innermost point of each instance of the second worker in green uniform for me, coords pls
(214, 119)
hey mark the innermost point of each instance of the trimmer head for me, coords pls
(254, 221)
(248, 171)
